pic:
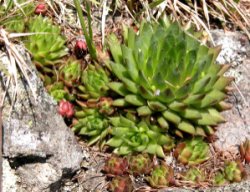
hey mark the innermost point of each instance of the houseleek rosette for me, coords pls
(192, 151)
(129, 136)
(70, 72)
(47, 44)
(161, 176)
(94, 83)
(57, 91)
(91, 124)
(164, 72)
(14, 17)
(195, 175)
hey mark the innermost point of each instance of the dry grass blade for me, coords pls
(209, 12)
(16, 59)
(196, 18)
(104, 14)
(206, 12)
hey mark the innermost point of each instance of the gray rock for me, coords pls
(37, 143)
(235, 52)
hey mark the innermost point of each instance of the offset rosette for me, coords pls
(47, 44)
(129, 136)
(192, 152)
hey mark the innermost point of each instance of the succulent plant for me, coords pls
(70, 73)
(105, 105)
(47, 45)
(192, 151)
(245, 151)
(80, 48)
(66, 109)
(234, 171)
(164, 72)
(219, 178)
(194, 174)
(116, 165)
(58, 92)
(94, 80)
(161, 176)
(129, 136)
(121, 184)
(140, 164)
(16, 18)
(92, 124)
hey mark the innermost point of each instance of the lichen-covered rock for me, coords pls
(38, 144)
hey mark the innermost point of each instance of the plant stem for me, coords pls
(88, 36)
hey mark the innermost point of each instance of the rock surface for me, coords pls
(235, 52)
(41, 150)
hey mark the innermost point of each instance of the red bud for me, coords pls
(80, 48)
(40, 9)
(66, 109)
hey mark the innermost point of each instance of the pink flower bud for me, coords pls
(40, 9)
(80, 48)
(66, 109)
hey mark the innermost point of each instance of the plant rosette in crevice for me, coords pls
(59, 92)
(192, 151)
(115, 166)
(194, 175)
(164, 72)
(161, 176)
(120, 184)
(129, 136)
(47, 45)
(94, 80)
(91, 124)
(70, 72)
(13, 18)
(140, 164)
(233, 171)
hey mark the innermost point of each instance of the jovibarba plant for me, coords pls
(92, 124)
(192, 151)
(47, 44)
(167, 74)
(130, 136)
(70, 73)
(161, 176)
(94, 81)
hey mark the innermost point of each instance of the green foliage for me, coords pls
(47, 45)
(116, 166)
(233, 171)
(94, 83)
(57, 91)
(194, 175)
(192, 152)
(13, 17)
(129, 136)
(161, 176)
(92, 124)
(219, 178)
(70, 73)
(166, 73)
(140, 164)
(121, 184)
